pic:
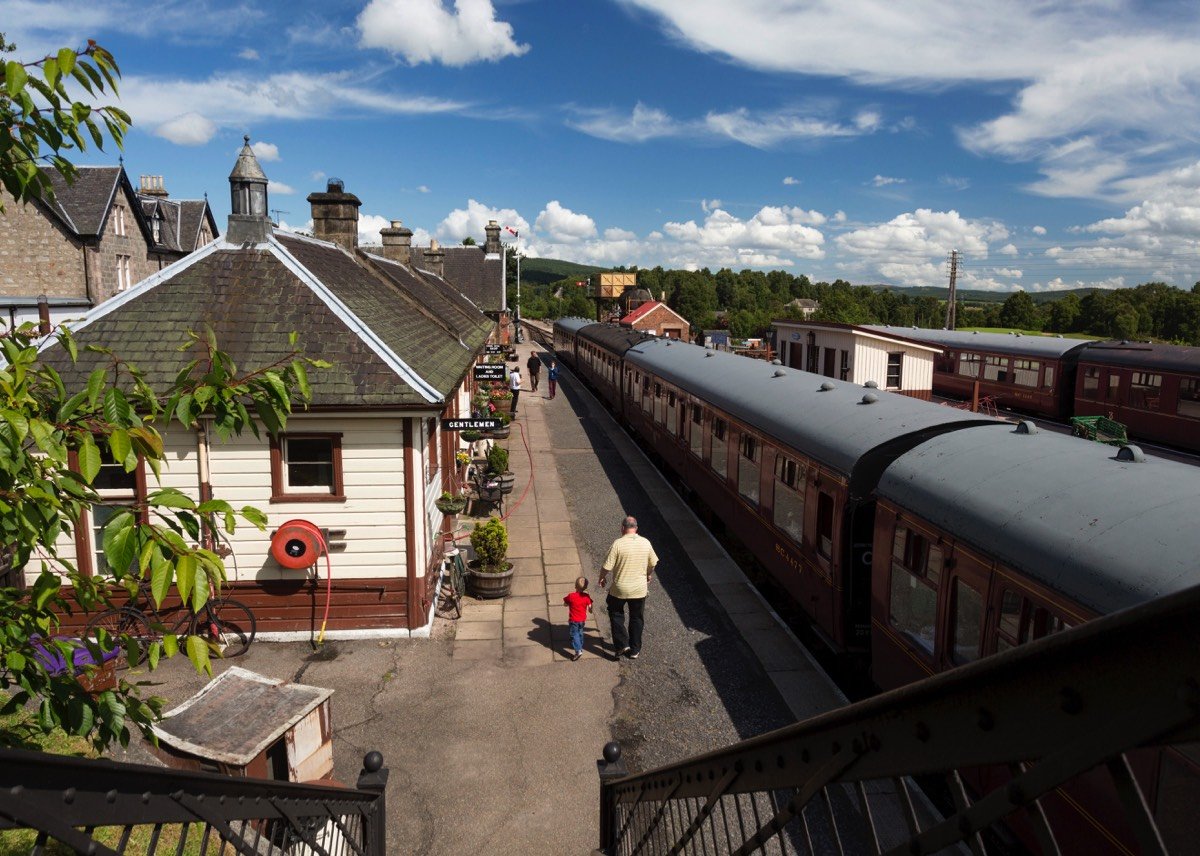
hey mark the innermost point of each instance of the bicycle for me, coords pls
(132, 620)
(454, 589)
(227, 623)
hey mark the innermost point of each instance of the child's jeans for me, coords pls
(576, 634)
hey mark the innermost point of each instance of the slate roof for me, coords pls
(83, 206)
(468, 269)
(181, 221)
(385, 348)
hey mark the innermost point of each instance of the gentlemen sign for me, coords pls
(489, 371)
(470, 424)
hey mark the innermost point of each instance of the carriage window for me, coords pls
(660, 404)
(1010, 616)
(995, 368)
(825, 524)
(1048, 378)
(1025, 372)
(894, 365)
(1144, 389)
(672, 421)
(748, 469)
(913, 591)
(967, 623)
(1114, 386)
(789, 497)
(697, 431)
(1091, 382)
(719, 452)
(968, 364)
(1189, 398)
(647, 399)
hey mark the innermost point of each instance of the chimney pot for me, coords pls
(435, 258)
(397, 243)
(335, 214)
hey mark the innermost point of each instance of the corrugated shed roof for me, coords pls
(1047, 347)
(826, 419)
(1143, 355)
(1063, 510)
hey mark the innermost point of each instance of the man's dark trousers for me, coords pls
(616, 616)
(516, 397)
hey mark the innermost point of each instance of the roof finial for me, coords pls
(246, 139)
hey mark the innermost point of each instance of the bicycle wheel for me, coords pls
(227, 623)
(127, 622)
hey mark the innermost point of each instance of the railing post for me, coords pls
(611, 768)
(373, 778)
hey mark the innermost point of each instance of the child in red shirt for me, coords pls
(579, 604)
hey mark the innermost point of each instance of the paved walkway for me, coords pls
(530, 626)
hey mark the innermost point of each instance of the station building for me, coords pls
(858, 354)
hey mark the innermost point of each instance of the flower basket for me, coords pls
(450, 506)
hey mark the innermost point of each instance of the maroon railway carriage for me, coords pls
(1154, 390)
(599, 349)
(1034, 374)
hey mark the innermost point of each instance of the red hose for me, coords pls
(528, 484)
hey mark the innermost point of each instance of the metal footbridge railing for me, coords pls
(1074, 743)
(56, 804)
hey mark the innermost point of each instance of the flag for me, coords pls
(515, 233)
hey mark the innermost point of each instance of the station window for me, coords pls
(894, 366)
(967, 609)
(696, 435)
(1189, 398)
(1144, 390)
(916, 574)
(968, 364)
(306, 467)
(825, 525)
(748, 474)
(717, 459)
(1091, 382)
(995, 368)
(672, 418)
(1025, 372)
(788, 513)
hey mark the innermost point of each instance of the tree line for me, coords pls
(745, 303)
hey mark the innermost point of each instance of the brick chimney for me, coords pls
(397, 243)
(152, 185)
(335, 214)
(492, 245)
(435, 258)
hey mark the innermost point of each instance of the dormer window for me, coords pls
(119, 220)
(156, 227)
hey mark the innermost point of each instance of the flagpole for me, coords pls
(518, 313)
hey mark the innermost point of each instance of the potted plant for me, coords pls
(490, 575)
(449, 503)
(470, 435)
(501, 399)
(502, 432)
(498, 465)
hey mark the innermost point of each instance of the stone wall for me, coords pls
(38, 255)
(132, 244)
(661, 320)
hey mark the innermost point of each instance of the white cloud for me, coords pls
(228, 100)
(772, 228)
(429, 31)
(707, 205)
(885, 180)
(758, 129)
(318, 175)
(911, 248)
(614, 234)
(1039, 230)
(265, 151)
(248, 54)
(789, 180)
(189, 129)
(421, 188)
(274, 186)
(954, 182)
(369, 226)
(470, 222)
(1008, 250)
(562, 225)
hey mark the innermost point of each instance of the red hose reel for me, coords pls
(297, 545)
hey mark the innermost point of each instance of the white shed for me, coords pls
(856, 354)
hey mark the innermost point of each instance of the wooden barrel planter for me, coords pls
(507, 481)
(500, 433)
(489, 586)
(503, 405)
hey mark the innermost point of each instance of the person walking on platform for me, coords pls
(514, 384)
(631, 561)
(579, 604)
(535, 368)
(552, 376)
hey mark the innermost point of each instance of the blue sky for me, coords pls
(1053, 144)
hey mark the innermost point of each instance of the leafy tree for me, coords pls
(1020, 311)
(469, 241)
(42, 124)
(1063, 314)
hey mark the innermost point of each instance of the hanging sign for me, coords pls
(470, 424)
(489, 371)
(493, 349)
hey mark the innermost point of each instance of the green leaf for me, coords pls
(116, 407)
(214, 505)
(50, 71)
(200, 587)
(170, 645)
(89, 458)
(119, 445)
(302, 379)
(120, 542)
(66, 61)
(19, 423)
(160, 578)
(185, 577)
(198, 653)
(170, 497)
(255, 516)
(15, 78)
(95, 385)
(15, 660)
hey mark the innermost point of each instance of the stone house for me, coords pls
(659, 319)
(95, 239)
(365, 462)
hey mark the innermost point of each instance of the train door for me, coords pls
(1110, 386)
(859, 534)
(966, 594)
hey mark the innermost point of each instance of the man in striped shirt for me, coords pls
(631, 560)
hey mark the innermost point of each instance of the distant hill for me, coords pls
(546, 271)
(970, 296)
